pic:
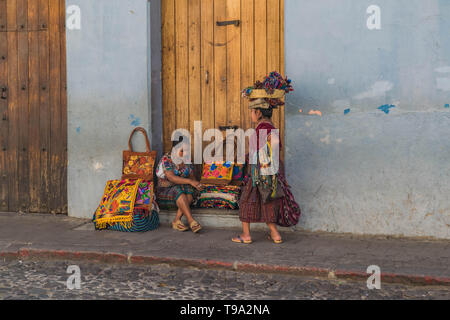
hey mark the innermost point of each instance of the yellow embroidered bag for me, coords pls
(217, 173)
(117, 204)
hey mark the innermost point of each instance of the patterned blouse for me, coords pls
(166, 164)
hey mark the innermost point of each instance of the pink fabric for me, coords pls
(262, 126)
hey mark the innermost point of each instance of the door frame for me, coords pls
(157, 106)
(155, 77)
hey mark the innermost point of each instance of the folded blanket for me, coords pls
(219, 197)
(214, 203)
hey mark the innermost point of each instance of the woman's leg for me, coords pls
(184, 205)
(245, 235)
(246, 231)
(179, 215)
(274, 231)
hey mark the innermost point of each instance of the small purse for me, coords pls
(138, 165)
(268, 185)
(269, 188)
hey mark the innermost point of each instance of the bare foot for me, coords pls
(275, 236)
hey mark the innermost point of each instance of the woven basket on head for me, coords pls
(261, 93)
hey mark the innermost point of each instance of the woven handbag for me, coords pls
(138, 165)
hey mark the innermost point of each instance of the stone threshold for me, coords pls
(216, 218)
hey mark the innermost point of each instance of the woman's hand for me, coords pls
(197, 185)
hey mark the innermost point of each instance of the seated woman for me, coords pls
(175, 189)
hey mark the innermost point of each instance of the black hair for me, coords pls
(176, 142)
(266, 113)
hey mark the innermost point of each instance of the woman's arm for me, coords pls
(172, 177)
(179, 180)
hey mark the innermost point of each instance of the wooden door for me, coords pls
(33, 153)
(205, 66)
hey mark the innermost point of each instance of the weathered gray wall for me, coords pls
(107, 62)
(365, 171)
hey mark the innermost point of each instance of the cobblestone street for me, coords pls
(47, 280)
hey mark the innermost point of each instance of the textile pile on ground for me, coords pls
(129, 205)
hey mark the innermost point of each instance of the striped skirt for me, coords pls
(251, 207)
(167, 197)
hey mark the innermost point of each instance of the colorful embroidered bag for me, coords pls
(117, 204)
(217, 173)
(290, 211)
(145, 194)
(127, 206)
(138, 165)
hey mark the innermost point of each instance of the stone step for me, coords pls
(216, 218)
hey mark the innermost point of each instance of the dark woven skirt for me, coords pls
(167, 197)
(253, 210)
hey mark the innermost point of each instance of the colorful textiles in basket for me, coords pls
(270, 83)
(219, 197)
(274, 81)
(117, 204)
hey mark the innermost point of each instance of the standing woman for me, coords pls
(282, 211)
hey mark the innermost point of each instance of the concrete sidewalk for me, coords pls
(424, 262)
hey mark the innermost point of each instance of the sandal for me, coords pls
(179, 226)
(238, 239)
(280, 241)
(195, 226)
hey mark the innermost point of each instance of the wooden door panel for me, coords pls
(34, 165)
(33, 158)
(22, 110)
(3, 15)
(3, 110)
(205, 66)
(247, 56)
(33, 105)
(220, 64)
(44, 119)
(56, 152)
(182, 64)
(13, 117)
(195, 91)
(273, 45)
(233, 63)
(168, 69)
